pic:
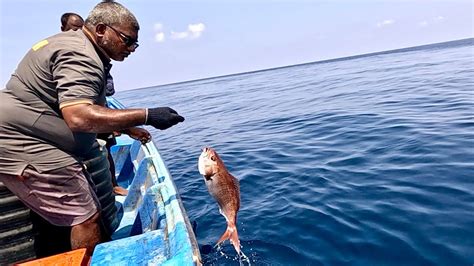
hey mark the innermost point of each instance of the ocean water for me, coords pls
(361, 161)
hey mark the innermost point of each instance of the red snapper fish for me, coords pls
(225, 189)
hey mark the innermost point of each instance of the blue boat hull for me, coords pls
(153, 225)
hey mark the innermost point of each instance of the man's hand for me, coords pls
(163, 117)
(138, 133)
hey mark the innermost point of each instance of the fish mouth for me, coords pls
(206, 152)
(206, 162)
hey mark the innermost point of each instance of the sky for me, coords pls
(189, 40)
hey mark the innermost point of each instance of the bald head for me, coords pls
(71, 21)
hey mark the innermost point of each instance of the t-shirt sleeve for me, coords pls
(79, 78)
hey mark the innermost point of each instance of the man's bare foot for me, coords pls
(118, 190)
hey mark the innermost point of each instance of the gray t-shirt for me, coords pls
(62, 70)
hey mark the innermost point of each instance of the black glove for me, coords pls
(163, 117)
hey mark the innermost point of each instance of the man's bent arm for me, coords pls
(97, 119)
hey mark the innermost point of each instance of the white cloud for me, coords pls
(193, 31)
(179, 35)
(159, 34)
(431, 22)
(196, 29)
(385, 23)
(160, 37)
(423, 24)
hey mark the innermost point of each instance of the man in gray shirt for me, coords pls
(53, 107)
(73, 21)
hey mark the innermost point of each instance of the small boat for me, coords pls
(151, 226)
(154, 227)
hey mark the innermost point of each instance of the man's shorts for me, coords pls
(62, 196)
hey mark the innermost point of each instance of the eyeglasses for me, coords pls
(129, 41)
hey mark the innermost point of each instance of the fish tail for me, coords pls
(231, 234)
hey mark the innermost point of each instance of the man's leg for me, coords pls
(87, 234)
(63, 197)
(50, 239)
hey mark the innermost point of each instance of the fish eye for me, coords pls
(213, 158)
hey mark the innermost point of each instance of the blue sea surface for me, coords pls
(366, 160)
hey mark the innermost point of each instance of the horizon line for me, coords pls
(398, 50)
